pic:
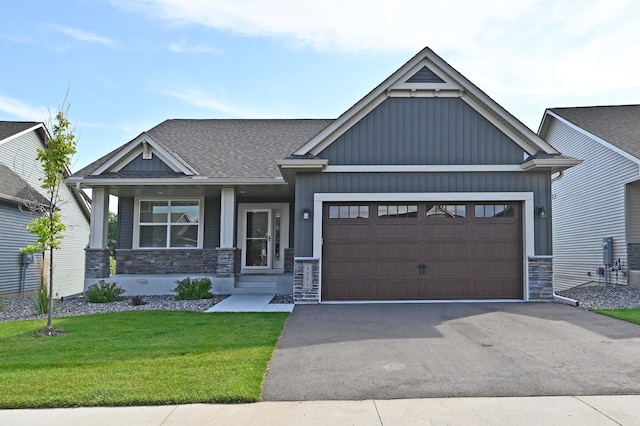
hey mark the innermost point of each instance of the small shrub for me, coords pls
(112, 265)
(138, 301)
(104, 292)
(193, 289)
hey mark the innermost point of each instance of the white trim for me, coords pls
(284, 231)
(582, 131)
(25, 131)
(136, 222)
(185, 180)
(295, 163)
(227, 216)
(435, 168)
(134, 149)
(526, 198)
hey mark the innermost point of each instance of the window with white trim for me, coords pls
(169, 224)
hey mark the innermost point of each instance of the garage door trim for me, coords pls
(525, 197)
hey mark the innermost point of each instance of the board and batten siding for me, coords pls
(423, 131)
(20, 154)
(139, 164)
(588, 205)
(307, 184)
(13, 237)
(633, 212)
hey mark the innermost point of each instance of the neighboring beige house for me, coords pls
(20, 172)
(599, 198)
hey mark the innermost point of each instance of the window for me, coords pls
(494, 210)
(397, 211)
(169, 224)
(446, 210)
(348, 212)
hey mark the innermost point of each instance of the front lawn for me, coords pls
(631, 314)
(137, 358)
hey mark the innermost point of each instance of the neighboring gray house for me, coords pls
(424, 189)
(598, 199)
(20, 190)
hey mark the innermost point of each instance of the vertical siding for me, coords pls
(13, 237)
(125, 223)
(589, 204)
(141, 165)
(633, 212)
(68, 270)
(410, 131)
(212, 222)
(309, 183)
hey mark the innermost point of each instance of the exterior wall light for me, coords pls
(542, 212)
(306, 214)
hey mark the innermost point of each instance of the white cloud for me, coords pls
(197, 96)
(183, 47)
(528, 46)
(84, 36)
(22, 110)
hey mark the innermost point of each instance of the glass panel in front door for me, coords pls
(277, 231)
(257, 243)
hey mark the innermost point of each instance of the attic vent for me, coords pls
(425, 75)
(146, 151)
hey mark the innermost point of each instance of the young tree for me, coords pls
(55, 159)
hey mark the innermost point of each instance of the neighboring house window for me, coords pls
(169, 224)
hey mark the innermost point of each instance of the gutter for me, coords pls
(565, 300)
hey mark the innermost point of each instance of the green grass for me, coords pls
(137, 358)
(631, 315)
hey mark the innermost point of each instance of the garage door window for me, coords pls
(446, 211)
(348, 212)
(397, 211)
(493, 210)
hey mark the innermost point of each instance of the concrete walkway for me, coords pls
(563, 410)
(250, 303)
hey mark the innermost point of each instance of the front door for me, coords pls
(257, 243)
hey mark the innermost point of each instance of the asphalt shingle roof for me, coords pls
(617, 124)
(230, 148)
(12, 187)
(10, 128)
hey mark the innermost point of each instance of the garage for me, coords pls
(411, 250)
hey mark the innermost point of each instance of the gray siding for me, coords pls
(423, 131)
(425, 75)
(154, 164)
(309, 183)
(13, 237)
(125, 223)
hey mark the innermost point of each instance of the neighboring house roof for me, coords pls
(617, 124)
(14, 188)
(225, 148)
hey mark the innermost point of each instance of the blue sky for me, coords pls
(129, 64)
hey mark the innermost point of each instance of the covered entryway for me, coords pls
(422, 250)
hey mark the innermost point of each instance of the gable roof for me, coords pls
(221, 148)
(618, 125)
(11, 129)
(13, 188)
(426, 74)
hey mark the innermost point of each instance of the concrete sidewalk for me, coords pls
(562, 410)
(250, 303)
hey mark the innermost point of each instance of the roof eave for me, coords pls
(553, 165)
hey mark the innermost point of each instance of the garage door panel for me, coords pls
(423, 258)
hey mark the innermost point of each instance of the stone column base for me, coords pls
(540, 278)
(228, 262)
(96, 263)
(306, 280)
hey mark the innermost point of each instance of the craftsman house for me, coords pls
(425, 189)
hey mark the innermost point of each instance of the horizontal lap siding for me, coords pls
(589, 205)
(419, 131)
(309, 183)
(13, 237)
(20, 154)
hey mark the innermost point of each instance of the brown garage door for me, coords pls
(422, 251)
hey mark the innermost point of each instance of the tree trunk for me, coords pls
(50, 310)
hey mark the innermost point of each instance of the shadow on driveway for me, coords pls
(387, 351)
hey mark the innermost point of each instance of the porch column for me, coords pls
(227, 217)
(99, 218)
(97, 253)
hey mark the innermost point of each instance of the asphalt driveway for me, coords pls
(388, 351)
